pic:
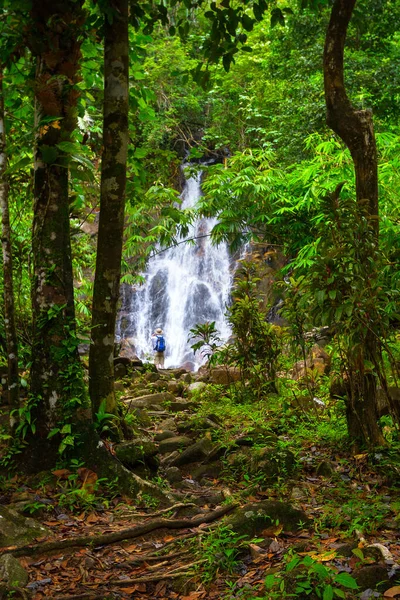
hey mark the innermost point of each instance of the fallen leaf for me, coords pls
(360, 457)
(88, 478)
(92, 518)
(392, 592)
(272, 531)
(324, 557)
(62, 473)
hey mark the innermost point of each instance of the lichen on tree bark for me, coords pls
(112, 207)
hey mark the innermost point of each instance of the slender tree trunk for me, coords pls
(112, 207)
(56, 377)
(355, 127)
(9, 311)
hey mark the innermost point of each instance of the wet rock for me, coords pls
(174, 443)
(12, 572)
(136, 451)
(251, 519)
(16, 530)
(195, 453)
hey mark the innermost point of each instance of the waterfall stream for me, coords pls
(184, 285)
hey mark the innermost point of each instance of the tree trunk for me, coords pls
(355, 128)
(9, 311)
(56, 376)
(112, 206)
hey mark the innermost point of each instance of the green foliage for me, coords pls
(208, 340)
(256, 346)
(103, 420)
(219, 551)
(303, 576)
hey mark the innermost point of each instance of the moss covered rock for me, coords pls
(17, 530)
(250, 520)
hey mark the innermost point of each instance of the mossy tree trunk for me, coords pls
(112, 207)
(9, 310)
(56, 376)
(355, 128)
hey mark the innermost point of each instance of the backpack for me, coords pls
(160, 344)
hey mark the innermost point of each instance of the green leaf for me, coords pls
(49, 154)
(277, 17)
(346, 580)
(68, 147)
(53, 432)
(247, 22)
(20, 164)
(328, 593)
(66, 428)
(358, 552)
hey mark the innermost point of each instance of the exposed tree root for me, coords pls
(119, 536)
(174, 507)
(178, 572)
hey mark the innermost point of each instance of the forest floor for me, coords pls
(207, 561)
(124, 548)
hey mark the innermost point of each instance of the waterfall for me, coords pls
(184, 285)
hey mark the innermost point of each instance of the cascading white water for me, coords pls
(185, 285)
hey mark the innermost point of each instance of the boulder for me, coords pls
(195, 388)
(195, 453)
(174, 443)
(173, 475)
(253, 518)
(272, 462)
(136, 451)
(318, 362)
(148, 400)
(17, 530)
(180, 404)
(12, 573)
(120, 371)
(224, 375)
(127, 349)
(369, 576)
(164, 435)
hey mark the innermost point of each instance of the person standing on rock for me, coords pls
(159, 348)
